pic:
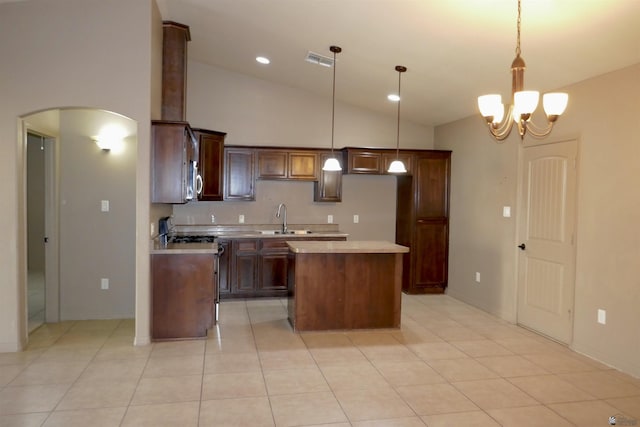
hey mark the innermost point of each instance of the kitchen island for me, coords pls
(344, 285)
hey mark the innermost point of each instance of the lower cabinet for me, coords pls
(252, 268)
(182, 294)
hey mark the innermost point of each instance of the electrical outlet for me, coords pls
(506, 211)
(477, 276)
(104, 284)
(241, 219)
(356, 219)
(104, 206)
(213, 219)
(329, 219)
(602, 316)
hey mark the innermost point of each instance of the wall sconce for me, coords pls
(111, 138)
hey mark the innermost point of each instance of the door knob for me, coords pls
(522, 246)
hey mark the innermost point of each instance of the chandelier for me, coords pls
(523, 104)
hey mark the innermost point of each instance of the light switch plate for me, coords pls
(104, 284)
(329, 219)
(602, 316)
(356, 219)
(506, 211)
(241, 219)
(478, 276)
(104, 206)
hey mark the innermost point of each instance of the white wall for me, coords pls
(96, 244)
(79, 53)
(603, 114)
(257, 112)
(372, 198)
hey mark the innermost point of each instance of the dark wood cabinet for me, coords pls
(328, 188)
(173, 149)
(239, 174)
(258, 267)
(174, 70)
(363, 161)
(273, 265)
(422, 222)
(210, 164)
(183, 290)
(285, 164)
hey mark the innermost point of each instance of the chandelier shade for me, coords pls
(524, 103)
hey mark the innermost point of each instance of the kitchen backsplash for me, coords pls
(371, 198)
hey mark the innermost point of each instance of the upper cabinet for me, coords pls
(174, 154)
(363, 161)
(285, 164)
(174, 70)
(210, 164)
(239, 173)
(375, 161)
(328, 187)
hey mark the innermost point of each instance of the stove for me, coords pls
(191, 239)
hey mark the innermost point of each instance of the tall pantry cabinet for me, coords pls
(422, 222)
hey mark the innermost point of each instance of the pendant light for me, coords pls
(397, 166)
(332, 163)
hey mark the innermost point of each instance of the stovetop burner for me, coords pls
(192, 239)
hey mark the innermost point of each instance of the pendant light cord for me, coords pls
(518, 35)
(335, 50)
(398, 124)
(400, 69)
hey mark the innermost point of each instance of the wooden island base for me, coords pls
(344, 285)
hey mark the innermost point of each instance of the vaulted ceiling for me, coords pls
(454, 50)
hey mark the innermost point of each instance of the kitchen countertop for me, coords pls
(365, 246)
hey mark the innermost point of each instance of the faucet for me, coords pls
(283, 207)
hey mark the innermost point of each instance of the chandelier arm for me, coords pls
(503, 129)
(538, 132)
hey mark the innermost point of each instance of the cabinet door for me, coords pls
(328, 188)
(168, 162)
(303, 166)
(432, 185)
(273, 265)
(365, 162)
(239, 174)
(245, 266)
(430, 252)
(210, 164)
(272, 164)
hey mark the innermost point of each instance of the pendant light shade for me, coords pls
(397, 166)
(332, 163)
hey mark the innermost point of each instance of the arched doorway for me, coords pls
(88, 212)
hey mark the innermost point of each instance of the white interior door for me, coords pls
(546, 268)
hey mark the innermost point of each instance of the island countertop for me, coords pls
(354, 246)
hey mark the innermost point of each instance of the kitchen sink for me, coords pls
(288, 232)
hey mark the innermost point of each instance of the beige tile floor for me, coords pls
(449, 365)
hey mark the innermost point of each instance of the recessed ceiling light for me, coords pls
(263, 60)
(393, 97)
